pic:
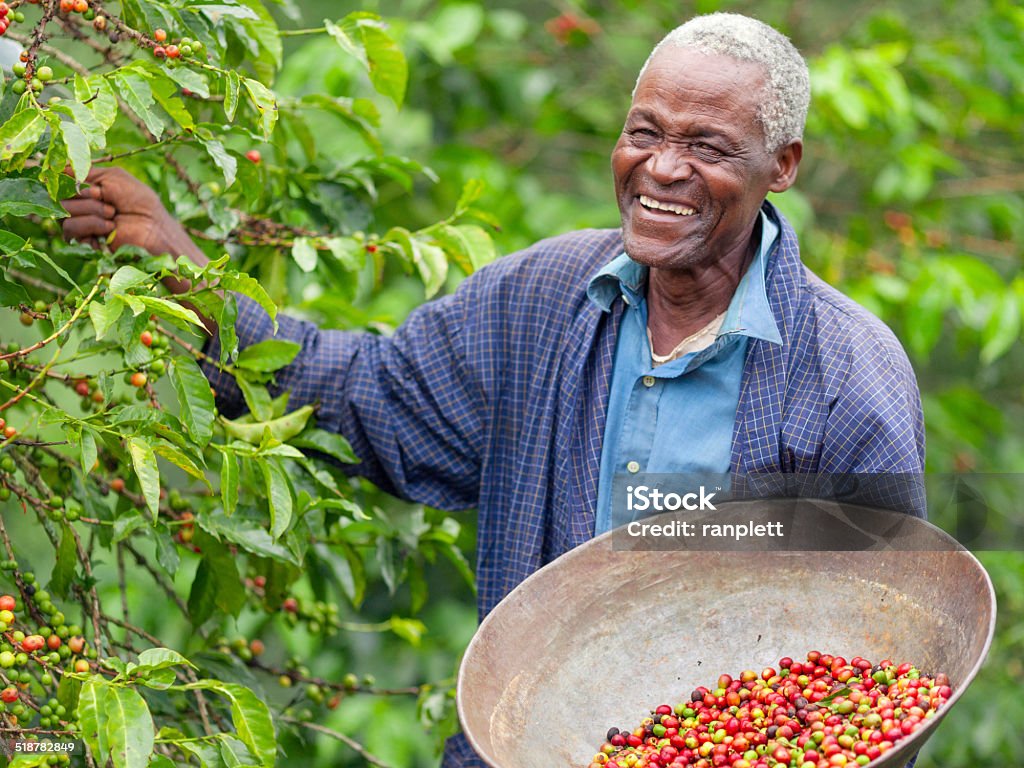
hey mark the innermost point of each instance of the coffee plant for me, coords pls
(114, 456)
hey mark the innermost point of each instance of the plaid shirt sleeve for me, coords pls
(408, 403)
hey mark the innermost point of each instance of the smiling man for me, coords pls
(692, 340)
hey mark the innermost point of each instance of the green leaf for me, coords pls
(481, 247)
(179, 459)
(171, 310)
(257, 398)
(127, 277)
(410, 630)
(249, 286)
(267, 356)
(388, 69)
(189, 78)
(129, 727)
(265, 102)
(247, 534)
(279, 496)
(85, 120)
(216, 585)
(1002, 330)
(304, 253)
(20, 197)
(250, 716)
(12, 294)
(88, 451)
(159, 658)
(226, 333)
(66, 564)
(20, 134)
(197, 409)
(227, 163)
(229, 482)
(91, 716)
(144, 462)
(138, 95)
(361, 34)
(166, 94)
(283, 428)
(105, 316)
(98, 96)
(330, 443)
(232, 84)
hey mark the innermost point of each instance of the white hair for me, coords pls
(786, 95)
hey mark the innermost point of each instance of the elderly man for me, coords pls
(691, 340)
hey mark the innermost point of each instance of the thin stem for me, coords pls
(349, 742)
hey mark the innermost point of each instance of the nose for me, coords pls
(669, 164)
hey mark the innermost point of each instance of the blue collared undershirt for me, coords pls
(676, 417)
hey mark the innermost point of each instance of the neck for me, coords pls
(681, 302)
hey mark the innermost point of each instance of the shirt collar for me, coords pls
(749, 313)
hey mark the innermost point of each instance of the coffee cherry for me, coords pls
(253, 156)
(4, 10)
(173, 51)
(99, 23)
(257, 647)
(146, 338)
(81, 6)
(45, 74)
(160, 52)
(67, 6)
(26, 318)
(9, 694)
(82, 666)
(117, 485)
(138, 379)
(18, 69)
(9, 432)
(290, 605)
(159, 35)
(18, 87)
(7, 603)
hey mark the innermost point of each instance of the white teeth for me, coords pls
(650, 202)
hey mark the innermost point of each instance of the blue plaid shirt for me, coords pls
(495, 397)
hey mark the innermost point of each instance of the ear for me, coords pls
(787, 158)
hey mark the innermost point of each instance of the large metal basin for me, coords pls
(605, 633)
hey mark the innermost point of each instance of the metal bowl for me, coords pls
(613, 628)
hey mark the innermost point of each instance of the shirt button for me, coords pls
(633, 466)
(649, 381)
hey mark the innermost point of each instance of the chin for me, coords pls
(656, 254)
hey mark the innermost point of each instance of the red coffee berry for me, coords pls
(139, 379)
(159, 52)
(9, 695)
(146, 338)
(253, 156)
(117, 485)
(159, 35)
(290, 605)
(7, 602)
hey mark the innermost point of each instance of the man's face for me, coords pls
(691, 169)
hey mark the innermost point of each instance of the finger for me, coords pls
(84, 227)
(78, 207)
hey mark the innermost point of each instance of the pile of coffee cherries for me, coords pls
(826, 712)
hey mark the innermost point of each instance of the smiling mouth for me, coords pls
(657, 205)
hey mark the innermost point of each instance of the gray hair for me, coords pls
(787, 90)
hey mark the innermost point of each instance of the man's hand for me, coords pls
(116, 202)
